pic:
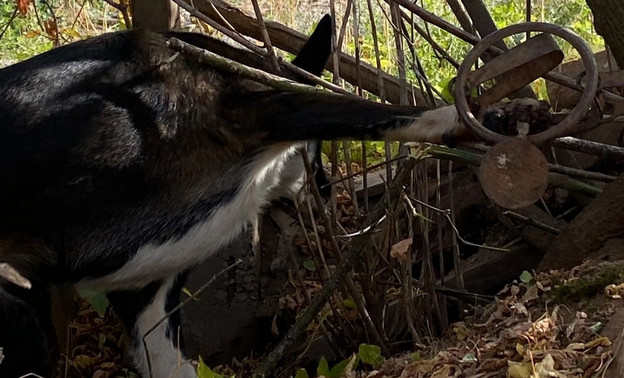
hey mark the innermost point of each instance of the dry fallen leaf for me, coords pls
(399, 250)
(546, 368)
(519, 370)
(600, 341)
(22, 6)
(530, 295)
(615, 291)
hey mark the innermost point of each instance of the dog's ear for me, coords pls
(314, 54)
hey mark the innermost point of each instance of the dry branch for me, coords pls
(605, 151)
(228, 65)
(359, 244)
(290, 40)
(265, 35)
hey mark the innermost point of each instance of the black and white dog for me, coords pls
(121, 167)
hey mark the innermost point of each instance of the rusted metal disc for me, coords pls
(566, 127)
(514, 173)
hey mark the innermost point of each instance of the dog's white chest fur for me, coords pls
(153, 262)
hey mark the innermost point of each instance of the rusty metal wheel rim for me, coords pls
(564, 127)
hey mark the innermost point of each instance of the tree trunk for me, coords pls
(154, 14)
(608, 16)
(597, 230)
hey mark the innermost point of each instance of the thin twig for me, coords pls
(459, 273)
(304, 230)
(533, 222)
(235, 36)
(359, 243)
(447, 213)
(6, 26)
(346, 147)
(343, 27)
(358, 74)
(333, 156)
(319, 244)
(461, 15)
(265, 36)
(407, 299)
(396, 19)
(438, 199)
(364, 230)
(228, 65)
(603, 150)
(39, 22)
(418, 70)
(353, 291)
(84, 2)
(575, 172)
(123, 8)
(380, 82)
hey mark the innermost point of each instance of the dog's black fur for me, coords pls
(121, 167)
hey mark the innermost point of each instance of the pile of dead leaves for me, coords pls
(95, 346)
(548, 325)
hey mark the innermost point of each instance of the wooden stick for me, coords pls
(207, 57)
(606, 151)
(291, 40)
(234, 35)
(265, 35)
(461, 16)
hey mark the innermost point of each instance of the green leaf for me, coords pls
(350, 303)
(203, 371)
(323, 367)
(415, 357)
(526, 277)
(302, 373)
(309, 265)
(370, 354)
(99, 302)
(338, 370)
(596, 327)
(470, 357)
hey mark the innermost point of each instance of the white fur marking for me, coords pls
(430, 126)
(166, 360)
(154, 262)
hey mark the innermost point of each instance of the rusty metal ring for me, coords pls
(566, 126)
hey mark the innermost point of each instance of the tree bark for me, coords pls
(598, 228)
(154, 14)
(608, 16)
